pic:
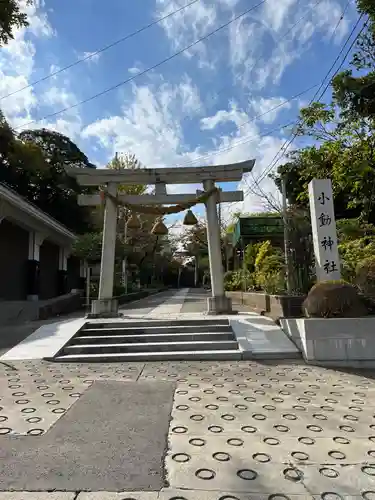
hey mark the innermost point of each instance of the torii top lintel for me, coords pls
(152, 176)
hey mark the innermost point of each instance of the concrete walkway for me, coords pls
(257, 336)
(240, 430)
(185, 431)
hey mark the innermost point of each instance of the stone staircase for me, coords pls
(155, 340)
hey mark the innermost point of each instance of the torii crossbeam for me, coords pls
(218, 303)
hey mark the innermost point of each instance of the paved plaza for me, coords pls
(231, 430)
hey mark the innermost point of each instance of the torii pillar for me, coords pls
(218, 303)
(106, 305)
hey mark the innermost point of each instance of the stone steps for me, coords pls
(150, 346)
(153, 337)
(220, 355)
(156, 329)
(201, 339)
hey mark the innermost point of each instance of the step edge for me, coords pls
(153, 335)
(164, 353)
(156, 344)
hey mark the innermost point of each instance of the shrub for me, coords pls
(365, 277)
(353, 252)
(270, 269)
(251, 253)
(238, 280)
(265, 249)
(228, 280)
(334, 299)
(270, 275)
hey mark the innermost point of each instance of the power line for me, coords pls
(279, 40)
(246, 138)
(341, 18)
(157, 65)
(282, 104)
(238, 143)
(288, 142)
(264, 173)
(100, 51)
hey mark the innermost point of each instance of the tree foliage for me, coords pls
(194, 240)
(11, 18)
(354, 89)
(33, 164)
(341, 137)
(127, 161)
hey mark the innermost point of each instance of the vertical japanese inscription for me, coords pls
(324, 229)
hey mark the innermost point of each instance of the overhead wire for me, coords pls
(247, 139)
(100, 51)
(141, 73)
(287, 143)
(279, 105)
(225, 87)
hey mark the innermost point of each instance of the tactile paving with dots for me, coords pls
(210, 495)
(271, 429)
(35, 394)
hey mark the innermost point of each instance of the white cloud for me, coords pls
(262, 49)
(262, 106)
(150, 126)
(187, 26)
(327, 16)
(39, 25)
(17, 65)
(91, 57)
(134, 70)
(234, 115)
(275, 14)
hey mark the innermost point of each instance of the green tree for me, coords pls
(344, 151)
(11, 18)
(127, 161)
(194, 240)
(354, 89)
(55, 191)
(33, 164)
(60, 151)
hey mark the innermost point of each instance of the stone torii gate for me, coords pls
(106, 305)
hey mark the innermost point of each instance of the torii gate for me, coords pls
(106, 305)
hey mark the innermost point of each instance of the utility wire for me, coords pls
(288, 142)
(283, 103)
(280, 40)
(157, 65)
(247, 138)
(100, 51)
(262, 175)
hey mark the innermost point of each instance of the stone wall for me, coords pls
(276, 306)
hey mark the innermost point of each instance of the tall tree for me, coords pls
(141, 245)
(60, 151)
(34, 163)
(56, 192)
(11, 18)
(127, 161)
(354, 89)
(343, 149)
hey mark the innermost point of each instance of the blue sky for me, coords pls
(198, 108)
